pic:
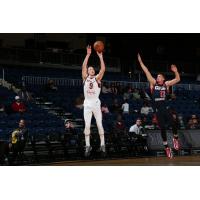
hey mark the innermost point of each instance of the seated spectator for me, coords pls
(104, 109)
(113, 89)
(175, 120)
(116, 108)
(135, 94)
(50, 86)
(119, 88)
(2, 108)
(127, 94)
(189, 124)
(181, 122)
(147, 122)
(125, 107)
(144, 121)
(155, 121)
(119, 125)
(24, 95)
(193, 123)
(68, 136)
(146, 109)
(137, 127)
(105, 89)
(137, 132)
(79, 102)
(18, 141)
(18, 105)
(118, 133)
(69, 128)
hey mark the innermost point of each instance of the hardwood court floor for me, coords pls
(152, 161)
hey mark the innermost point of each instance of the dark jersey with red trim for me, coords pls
(159, 94)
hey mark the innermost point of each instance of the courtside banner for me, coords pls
(188, 139)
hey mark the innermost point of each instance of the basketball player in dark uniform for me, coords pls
(159, 88)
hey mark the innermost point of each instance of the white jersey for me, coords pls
(125, 107)
(92, 89)
(136, 129)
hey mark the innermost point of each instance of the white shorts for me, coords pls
(93, 107)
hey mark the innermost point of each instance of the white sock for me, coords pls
(102, 140)
(87, 140)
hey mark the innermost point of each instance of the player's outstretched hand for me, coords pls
(139, 57)
(89, 50)
(100, 54)
(174, 68)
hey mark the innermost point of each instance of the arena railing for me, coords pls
(36, 80)
(195, 87)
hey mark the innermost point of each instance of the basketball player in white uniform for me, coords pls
(92, 104)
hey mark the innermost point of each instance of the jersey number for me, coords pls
(91, 85)
(162, 94)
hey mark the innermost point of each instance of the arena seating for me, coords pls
(45, 122)
(40, 120)
(186, 102)
(14, 74)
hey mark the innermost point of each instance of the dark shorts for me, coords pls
(164, 117)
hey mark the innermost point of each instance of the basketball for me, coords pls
(99, 46)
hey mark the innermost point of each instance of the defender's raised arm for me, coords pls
(151, 80)
(177, 76)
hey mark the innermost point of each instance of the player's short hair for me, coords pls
(162, 75)
(91, 67)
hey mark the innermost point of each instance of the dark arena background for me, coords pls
(44, 71)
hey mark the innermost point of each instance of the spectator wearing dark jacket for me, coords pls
(18, 141)
(118, 133)
(50, 86)
(70, 136)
